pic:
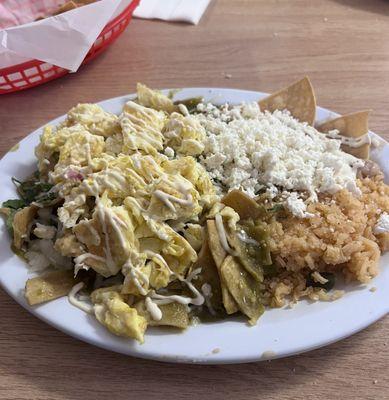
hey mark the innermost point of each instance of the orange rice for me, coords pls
(338, 239)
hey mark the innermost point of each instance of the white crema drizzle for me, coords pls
(169, 199)
(137, 277)
(350, 141)
(153, 309)
(153, 299)
(73, 300)
(104, 215)
(242, 236)
(222, 235)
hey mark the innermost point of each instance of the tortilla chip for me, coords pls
(21, 224)
(217, 250)
(249, 263)
(5, 211)
(243, 204)
(219, 255)
(70, 5)
(352, 125)
(209, 274)
(49, 286)
(84, 2)
(173, 314)
(244, 289)
(298, 98)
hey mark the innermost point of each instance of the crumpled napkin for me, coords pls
(172, 10)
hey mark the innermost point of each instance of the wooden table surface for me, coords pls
(261, 45)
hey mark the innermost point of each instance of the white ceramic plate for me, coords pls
(279, 332)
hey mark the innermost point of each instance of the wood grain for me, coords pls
(343, 46)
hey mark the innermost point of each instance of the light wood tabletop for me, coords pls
(343, 45)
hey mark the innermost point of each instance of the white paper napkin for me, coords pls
(62, 40)
(172, 10)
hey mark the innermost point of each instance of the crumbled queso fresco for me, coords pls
(249, 150)
(382, 224)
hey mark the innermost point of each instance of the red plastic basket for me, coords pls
(34, 72)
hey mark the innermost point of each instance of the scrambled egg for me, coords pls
(141, 128)
(94, 119)
(114, 313)
(127, 208)
(153, 99)
(185, 134)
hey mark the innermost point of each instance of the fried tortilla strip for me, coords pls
(5, 211)
(298, 98)
(70, 5)
(354, 125)
(250, 264)
(21, 224)
(244, 289)
(243, 204)
(173, 314)
(49, 286)
(209, 274)
(84, 2)
(219, 255)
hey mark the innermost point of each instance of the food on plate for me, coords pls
(181, 211)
